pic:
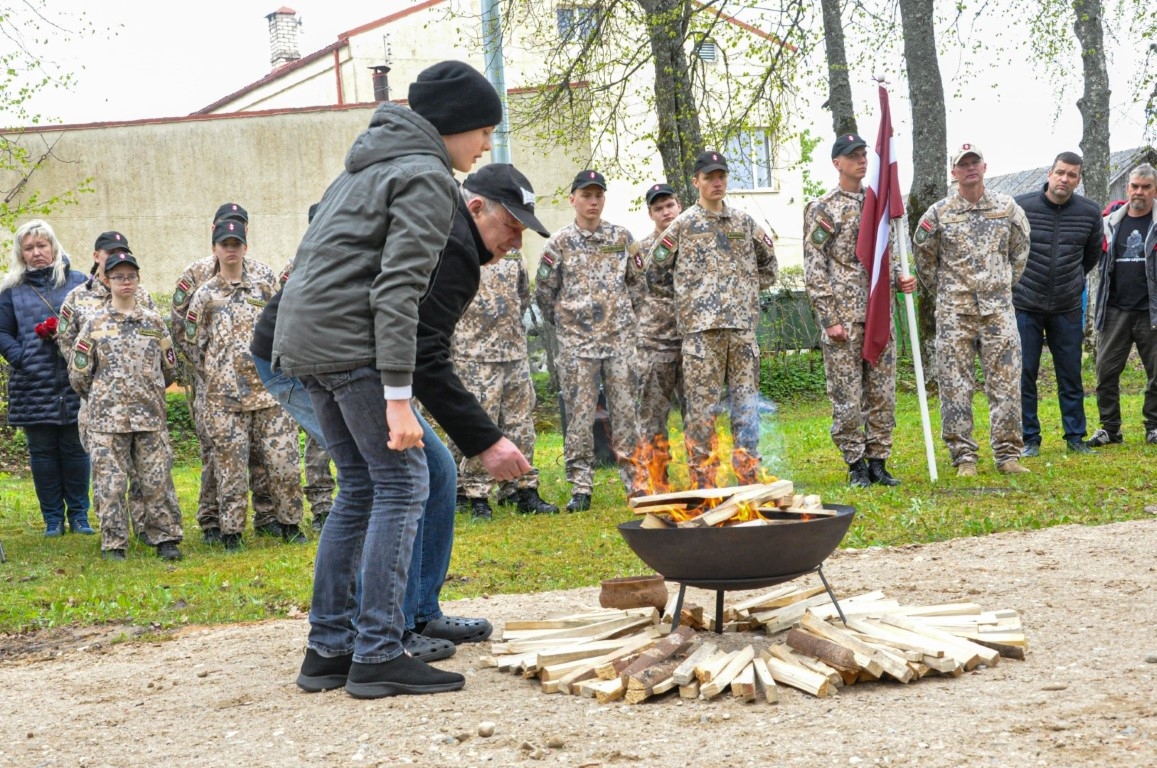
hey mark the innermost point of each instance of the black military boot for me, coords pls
(579, 502)
(480, 509)
(462, 503)
(879, 474)
(530, 503)
(858, 474)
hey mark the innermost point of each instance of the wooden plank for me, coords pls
(798, 676)
(941, 609)
(706, 671)
(735, 665)
(600, 631)
(651, 522)
(660, 651)
(892, 664)
(764, 682)
(1007, 651)
(743, 686)
(584, 650)
(587, 670)
(733, 505)
(924, 645)
(685, 672)
(659, 509)
(788, 616)
(761, 601)
(690, 496)
(968, 653)
(690, 690)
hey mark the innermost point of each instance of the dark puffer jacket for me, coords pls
(1065, 245)
(38, 388)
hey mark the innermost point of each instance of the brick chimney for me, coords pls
(283, 26)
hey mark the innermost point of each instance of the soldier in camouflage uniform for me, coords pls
(720, 260)
(80, 304)
(660, 346)
(970, 250)
(208, 517)
(490, 357)
(586, 277)
(241, 415)
(863, 396)
(121, 362)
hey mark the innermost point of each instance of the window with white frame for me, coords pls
(575, 22)
(706, 51)
(751, 160)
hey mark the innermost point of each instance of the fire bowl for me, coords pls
(734, 558)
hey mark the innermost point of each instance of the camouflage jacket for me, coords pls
(656, 309)
(491, 329)
(971, 255)
(836, 281)
(82, 302)
(720, 261)
(121, 363)
(584, 288)
(218, 326)
(190, 280)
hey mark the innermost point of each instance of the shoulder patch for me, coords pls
(80, 356)
(66, 312)
(924, 231)
(181, 294)
(191, 326)
(543, 271)
(664, 249)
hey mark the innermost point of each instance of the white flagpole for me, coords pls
(900, 237)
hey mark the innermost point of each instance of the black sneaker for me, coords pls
(1079, 446)
(113, 554)
(1030, 451)
(167, 550)
(319, 521)
(480, 509)
(211, 536)
(530, 503)
(579, 502)
(858, 474)
(1103, 437)
(232, 541)
(291, 534)
(402, 676)
(319, 673)
(270, 529)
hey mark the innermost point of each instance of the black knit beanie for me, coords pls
(455, 98)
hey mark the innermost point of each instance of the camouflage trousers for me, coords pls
(579, 378)
(505, 392)
(714, 360)
(270, 436)
(319, 483)
(959, 339)
(136, 511)
(148, 457)
(662, 383)
(863, 398)
(208, 510)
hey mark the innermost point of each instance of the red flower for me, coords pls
(47, 329)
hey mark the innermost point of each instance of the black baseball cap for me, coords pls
(505, 184)
(708, 161)
(659, 190)
(231, 211)
(118, 258)
(111, 241)
(847, 144)
(588, 178)
(227, 228)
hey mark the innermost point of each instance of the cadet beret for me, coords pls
(231, 211)
(708, 161)
(588, 178)
(118, 258)
(227, 228)
(505, 184)
(111, 241)
(966, 149)
(659, 190)
(455, 98)
(847, 144)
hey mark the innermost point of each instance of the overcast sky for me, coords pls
(162, 59)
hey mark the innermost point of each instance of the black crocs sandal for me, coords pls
(458, 630)
(426, 648)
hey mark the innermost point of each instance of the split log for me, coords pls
(768, 599)
(638, 696)
(743, 686)
(798, 676)
(968, 653)
(906, 639)
(764, 682)
(660, 651)
(1004, 649)
(734, 666)
(825, 650)
(602, 630)
(659, 509)
(587, 670)
(732, 506)
(839, 678)
(654, 521)
(646, 683)
(690, 690)
(708, 670)
(892, 664)
(685, 672)
(695, 496)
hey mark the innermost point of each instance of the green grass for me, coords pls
(56, 582)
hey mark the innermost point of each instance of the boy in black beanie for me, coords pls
(348, 329)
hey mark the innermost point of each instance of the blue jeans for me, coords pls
(60, 472)
(370, 532)
(435, 538)
(290, 392)
(1064, 336)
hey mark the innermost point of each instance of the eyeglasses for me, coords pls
(124, 278)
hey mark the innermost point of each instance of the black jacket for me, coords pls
(1065, 243)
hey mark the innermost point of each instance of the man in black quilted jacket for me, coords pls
(1065, 245)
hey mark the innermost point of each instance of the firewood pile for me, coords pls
(774, 503)
(634, 655)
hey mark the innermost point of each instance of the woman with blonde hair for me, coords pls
(40, 399)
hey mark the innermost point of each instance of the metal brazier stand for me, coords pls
(734, 558)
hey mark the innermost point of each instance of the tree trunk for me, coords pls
(929, 141)
(1094, 107)
(839, 86)
(679, 137)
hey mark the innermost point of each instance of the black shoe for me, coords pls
(858, 474)
(462, 503)
(530, 503)
(878, 473)
(1103, 437)
(508, 500)
(232, 541)
(113, 554)
(291, 534)
(211, 536)
(167, 550)
(457, 629)
(274, 529)
(1079, 446)
(426, 648)
(1031, 451)
(579, 502)
(319, 673)
(480, 509)
(402, 676)
(319, 521)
